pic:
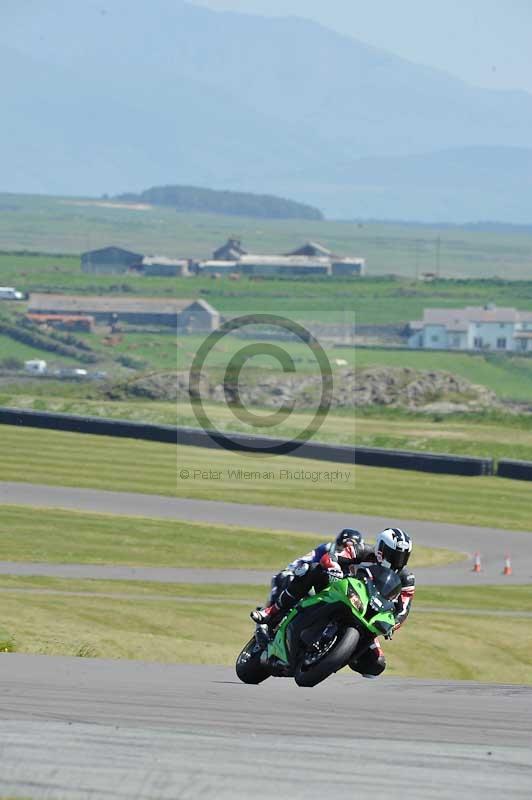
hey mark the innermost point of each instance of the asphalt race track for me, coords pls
(74, 728)
(492, 543)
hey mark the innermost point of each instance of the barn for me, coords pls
(184, 314)
(165, 267)
(109, 261)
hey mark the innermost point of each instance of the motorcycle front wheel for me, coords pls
(248, 665)
(332, 661)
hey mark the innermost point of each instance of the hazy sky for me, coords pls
(486, 42)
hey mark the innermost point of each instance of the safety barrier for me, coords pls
(94, 425)
(518, 470)
(194, 437)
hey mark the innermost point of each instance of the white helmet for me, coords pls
(392, 548)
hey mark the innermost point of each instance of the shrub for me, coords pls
(7, 642)
(132, 363)
(11, 363)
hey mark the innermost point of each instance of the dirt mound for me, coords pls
(353, 388)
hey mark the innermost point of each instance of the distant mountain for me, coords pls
(97, 96)
(243, 204)
(460, 185)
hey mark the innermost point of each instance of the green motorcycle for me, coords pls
(322, 633)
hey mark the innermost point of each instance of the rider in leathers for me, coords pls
(334, 560)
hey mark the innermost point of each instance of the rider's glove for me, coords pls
(335, 573)
(334, 570)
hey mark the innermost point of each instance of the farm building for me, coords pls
(310, 259)
(198, 316)
(312, 249)
(293, 266)
(268, 266)
(472, 328)
(164, 267)
(232, 250)
(109, 261)
(213, 267)
(340, 266)
(348, 267)
(131, 310)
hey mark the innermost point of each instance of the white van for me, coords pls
(9, 293)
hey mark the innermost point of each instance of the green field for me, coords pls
(64, 225)
(10, 348)
(66, 459)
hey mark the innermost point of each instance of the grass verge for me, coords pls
(431, 645)
(70, 537)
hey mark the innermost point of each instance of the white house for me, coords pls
(472, 328)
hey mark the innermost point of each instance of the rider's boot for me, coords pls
(266, 616)
(263, 635)
(271, 615)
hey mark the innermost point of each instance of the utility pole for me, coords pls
(438, 247)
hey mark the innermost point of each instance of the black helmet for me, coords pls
(392, 548)
(348, 536)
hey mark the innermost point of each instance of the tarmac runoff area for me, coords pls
(491, 543)
(79, 729)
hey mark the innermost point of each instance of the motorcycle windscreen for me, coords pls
(386, 581)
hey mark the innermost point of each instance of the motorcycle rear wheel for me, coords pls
(334, 660)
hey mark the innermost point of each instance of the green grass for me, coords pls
(9, 348)
(7, 643)
(69, 537)
(488, 598)
(431, 645)
(455, 647)
(65, 459)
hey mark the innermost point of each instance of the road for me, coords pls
(492, 543)
(79, 729)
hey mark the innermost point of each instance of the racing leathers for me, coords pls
(314, 571)
(372, 663)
